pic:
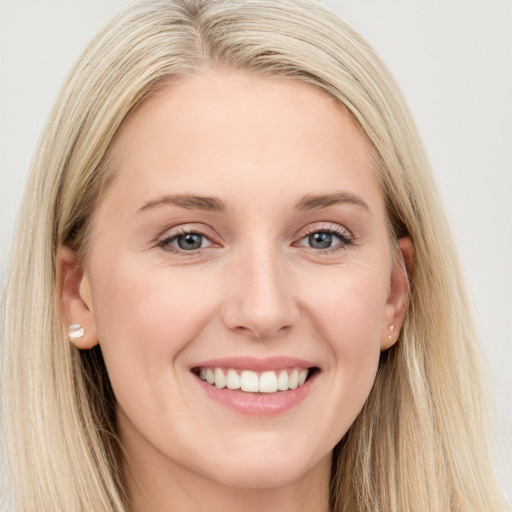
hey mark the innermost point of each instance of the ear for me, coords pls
(75, 299)
(396, 306)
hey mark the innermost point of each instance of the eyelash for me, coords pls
(345, 237)
(165, 243)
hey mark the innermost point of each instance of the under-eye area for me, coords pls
(270, 381)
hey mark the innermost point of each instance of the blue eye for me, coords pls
(190, 241)
(186, 241)
(320, 240)
(326, 239)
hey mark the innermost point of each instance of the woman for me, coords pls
(238, 299)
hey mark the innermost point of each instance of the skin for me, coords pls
(256, 287)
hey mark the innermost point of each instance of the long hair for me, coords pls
(419, 443)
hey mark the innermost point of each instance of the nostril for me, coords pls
(262, 329)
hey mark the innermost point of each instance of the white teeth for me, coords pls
(268, 382)
(293, 379)
(249, 381)
(252, 382)
(282, 380)
(220, 380)
(233, 379)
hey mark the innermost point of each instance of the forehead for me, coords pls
(228, 131)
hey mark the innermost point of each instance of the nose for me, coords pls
(260, 297)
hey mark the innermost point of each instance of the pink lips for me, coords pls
(257, 404)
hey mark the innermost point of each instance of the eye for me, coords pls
(325, 239)
(320, 240)
(185, 240)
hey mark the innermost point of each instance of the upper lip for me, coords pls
(256, 364)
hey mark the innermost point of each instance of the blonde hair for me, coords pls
(419, 443)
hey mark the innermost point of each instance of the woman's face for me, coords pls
(242, 243)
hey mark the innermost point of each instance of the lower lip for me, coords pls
(258, 404)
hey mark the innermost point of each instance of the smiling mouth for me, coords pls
(271, 381)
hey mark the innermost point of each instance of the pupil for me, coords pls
(190, 241)
(320, 240)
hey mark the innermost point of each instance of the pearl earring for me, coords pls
(75, 331)
(391, 329)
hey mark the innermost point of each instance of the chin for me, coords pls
(262, 472)
(260, 478)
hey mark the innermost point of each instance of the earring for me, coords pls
(75, 331)
(391, 329)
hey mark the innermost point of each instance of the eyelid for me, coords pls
(345, 235)
(172, 234)
(325, 227)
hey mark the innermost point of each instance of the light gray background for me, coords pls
(453, 60)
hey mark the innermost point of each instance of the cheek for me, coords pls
(348, 314)
(145, 318)
(349, 308)
(131, 301)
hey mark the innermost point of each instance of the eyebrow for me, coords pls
(190, 202)
(214, 204)
(317, 202)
